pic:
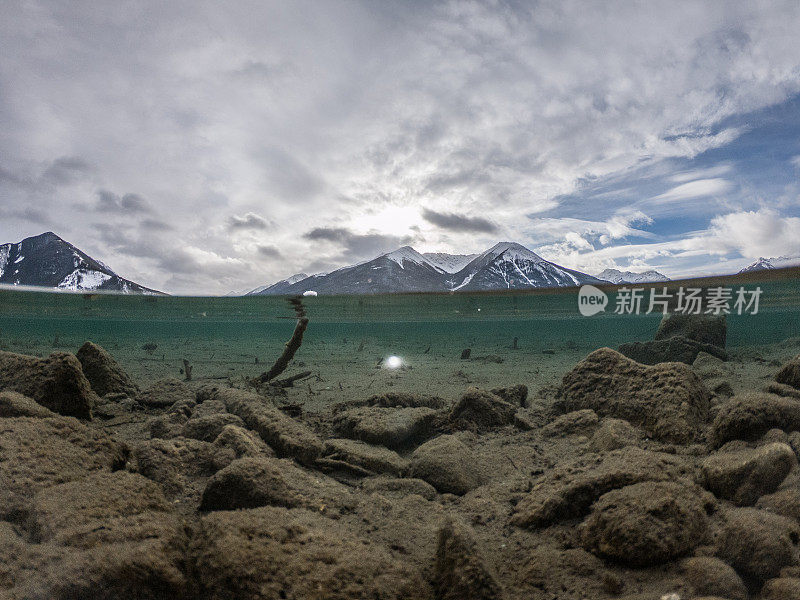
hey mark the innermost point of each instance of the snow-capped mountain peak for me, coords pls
(407, 253)
(512, 251)
(777, 262)
(46, 260)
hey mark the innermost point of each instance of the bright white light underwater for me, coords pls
(393, 362)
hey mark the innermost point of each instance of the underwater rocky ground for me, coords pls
(665, 481)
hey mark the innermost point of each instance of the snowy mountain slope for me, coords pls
(451, 263)
(761, 264)
(46, 260)
(617, 276)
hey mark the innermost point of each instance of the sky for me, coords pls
(206, 147)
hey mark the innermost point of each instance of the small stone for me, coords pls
(460, 572)
(394, 428)
(712, 577)
(744, 476)
(757, 543)
(578, 421)
(103, 372)
(209, 427)
(749, 416)
(790, 373)
(648, 523)
(613, 434)
(479, 410)
(254, 482)
(56, 382)
(447, 464)
(515, 394)
(377, 459)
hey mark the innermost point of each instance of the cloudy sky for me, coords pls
(203, 147)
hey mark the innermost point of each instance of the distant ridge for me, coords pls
(48, 261)
(617, 276)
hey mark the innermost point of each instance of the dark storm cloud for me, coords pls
(155, 225)
(65, 170)
(25, 214)
(357, 246)
(248, 221)
(128, 203)
(454, 222)
(269, 251)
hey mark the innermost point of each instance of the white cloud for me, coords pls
(695, 189)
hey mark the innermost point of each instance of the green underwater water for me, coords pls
(347, 336)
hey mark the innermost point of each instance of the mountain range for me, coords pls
(506, 265)
(46, 260)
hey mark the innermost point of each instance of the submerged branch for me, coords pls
(291, 346)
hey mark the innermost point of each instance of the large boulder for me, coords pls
(758, 544)
(13, 404)
(705, 329)
(254, 482)
(710, 576)
(56, 382)
(461, 573)
(790, 373)
(569, 490)
(750, 416)
(166, 392)
(681, 338)
(36, 453)
(447, 464)
(479, 411)
(103, 372)
(648, 523)
(280, 553)
(743, 476)
(668, 400)
(287, 437)
(395, 428)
